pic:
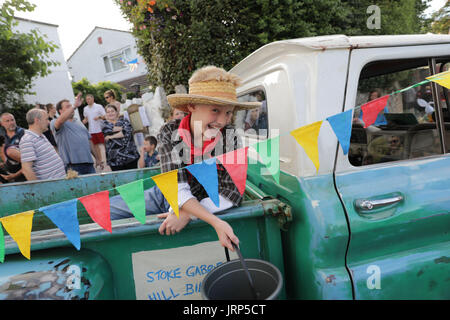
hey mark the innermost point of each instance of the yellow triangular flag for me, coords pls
(168, 184)
(307, 137)
(19, 228)
(442, 78)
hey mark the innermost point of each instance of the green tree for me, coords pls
(23, 56)
(97, 90)
(176, 37)
(441, 20)
(397, 17)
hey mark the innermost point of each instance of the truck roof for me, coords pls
(343, 41)
(340, 41)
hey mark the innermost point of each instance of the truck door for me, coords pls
(395, 181)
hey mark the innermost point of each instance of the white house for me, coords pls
(57, 85)
(108, 55)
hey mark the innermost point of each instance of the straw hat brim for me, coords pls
(181, 101)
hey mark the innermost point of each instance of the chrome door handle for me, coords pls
(367, 205)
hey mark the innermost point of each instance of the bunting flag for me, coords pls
(2, 245)
(133, 195)
(19, 228)
(236, 164)
(133, 64)
(442, 79)
(341, 124)
(307, 136)
(64, 216)
(168, 184)
(372, 108)
(206, 174)
(97, 206)
(269, 151)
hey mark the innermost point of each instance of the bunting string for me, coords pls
(64, 214)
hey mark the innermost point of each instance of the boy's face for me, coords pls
(148, 147)
(210, 119)
(178, 114)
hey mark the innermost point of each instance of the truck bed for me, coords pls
(110, 265)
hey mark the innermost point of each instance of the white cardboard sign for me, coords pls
(175, 274)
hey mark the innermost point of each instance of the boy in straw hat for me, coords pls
(200, 135)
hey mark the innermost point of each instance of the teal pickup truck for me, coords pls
(369, 224)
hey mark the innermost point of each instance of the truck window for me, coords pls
(254, 122)
(406, 128)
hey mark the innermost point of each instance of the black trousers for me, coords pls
(128, 166)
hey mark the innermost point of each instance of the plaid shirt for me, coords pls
(176, 154)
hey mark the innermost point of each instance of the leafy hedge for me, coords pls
(175, 37)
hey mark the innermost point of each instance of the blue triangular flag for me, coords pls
(341, 124)
(64, 216)
(206, 174)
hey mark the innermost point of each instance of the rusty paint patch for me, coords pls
(331, 279)
(442, 259)
(61, 263)
(43, 285)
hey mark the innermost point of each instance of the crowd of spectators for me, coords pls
(56, 141)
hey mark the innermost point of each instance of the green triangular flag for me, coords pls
(2, 244)
(269, 151)
(133, 195)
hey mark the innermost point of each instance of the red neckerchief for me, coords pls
(184, 130)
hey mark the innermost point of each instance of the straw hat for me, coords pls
(211, 85)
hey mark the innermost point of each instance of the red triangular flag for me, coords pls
(236, 164)
(97, 206)
(372, 108)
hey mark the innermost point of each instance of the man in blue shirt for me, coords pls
(72, 138)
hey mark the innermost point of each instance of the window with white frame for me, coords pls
(117, 60)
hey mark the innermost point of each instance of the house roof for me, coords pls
(34, 21)
(95, 28)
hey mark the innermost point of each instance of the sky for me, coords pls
(77, 18)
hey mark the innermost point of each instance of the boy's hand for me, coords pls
(172, 224)
(225, 234)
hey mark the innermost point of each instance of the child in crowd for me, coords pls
(177, 114)
(202, 134)
(149, 155)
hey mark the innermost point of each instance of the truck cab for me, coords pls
(373, 223)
